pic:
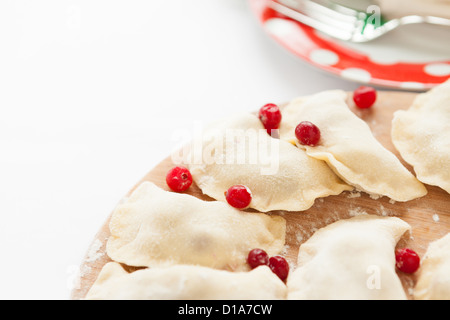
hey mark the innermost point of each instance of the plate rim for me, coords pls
(258, 7)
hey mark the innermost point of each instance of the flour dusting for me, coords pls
(357, 212)
(382, 211)
(353, 195)
(299, 237)
(94, 251)
(374, 196)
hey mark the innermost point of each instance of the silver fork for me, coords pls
(345, 23)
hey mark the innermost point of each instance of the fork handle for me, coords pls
(415, 19)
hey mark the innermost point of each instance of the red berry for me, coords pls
(407, 260)
(279, 266)
(179, 179)
(270, 116)
(308, 134)
(239, 196)
(257, 257)
(364, 97)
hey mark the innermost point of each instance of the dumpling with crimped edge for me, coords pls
(154, 227)
(351, 259)
(349, 147)
(238, 151)
(185, 282)
(433, 281)
(422, 136)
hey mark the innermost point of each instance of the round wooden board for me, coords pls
(429, 216)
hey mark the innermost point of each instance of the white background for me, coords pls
(91, 93)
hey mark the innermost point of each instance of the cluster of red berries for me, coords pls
(278, 264)
(179, 179)
(306, 132)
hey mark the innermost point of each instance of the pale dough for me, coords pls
(422, 136)
(184, 282)
(280, 176)
(349, 147)
(434, 274)
(154, 227)
(350, 259)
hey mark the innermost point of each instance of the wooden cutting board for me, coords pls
(428, 216)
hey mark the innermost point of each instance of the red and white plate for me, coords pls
(415, 57)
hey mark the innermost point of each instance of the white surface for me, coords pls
(91, 96)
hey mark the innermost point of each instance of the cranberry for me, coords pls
(308, 134)
(257, 257)
(365, 97)
(270, 117)
(407, 260)
(279, 266)
(239, 196)
(179, 179)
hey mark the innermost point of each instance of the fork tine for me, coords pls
(332, 30)
(330, 10)
(329, 16)
(326, 15)
(343, 9)
(319, 20)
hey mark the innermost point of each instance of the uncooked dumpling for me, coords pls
(238, 151)
(349, 147)
(154, 227)
(434, 274)
(422, 136)
(184, 282)
(350, 259)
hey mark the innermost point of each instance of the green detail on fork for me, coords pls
(375, 22)
(374, 19)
